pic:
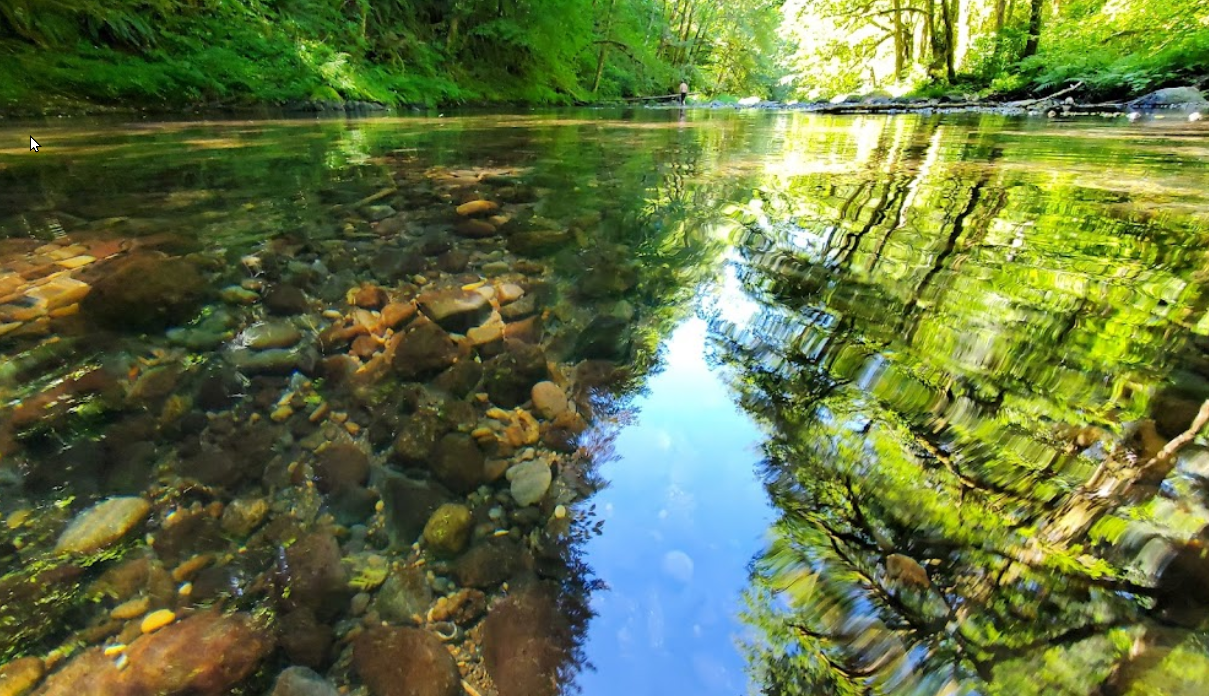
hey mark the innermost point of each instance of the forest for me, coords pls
(168, 54)
(179, 53)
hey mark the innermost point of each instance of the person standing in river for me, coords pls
(683, 92)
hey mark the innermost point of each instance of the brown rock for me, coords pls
(370, 296)
(396, 313)
(418, 436)
(405, 662)
(475, 228)
(206, 654)
(526, 640)
(455, 309)
(489, 562)
(458, 463)
(304, 639)
(477, 208)
(313, 576)
(19, 677)
(341, 466)
(102, 525)
(365, 346)
(526, 330)
(549, 400)
(409, 503)
(146, 291)
(423, 351)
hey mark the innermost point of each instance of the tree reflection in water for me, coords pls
(968, 368)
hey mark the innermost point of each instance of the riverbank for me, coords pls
(1185, 101)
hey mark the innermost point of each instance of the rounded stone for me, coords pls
(448, 530)
(549, 400)
(405, 662)
(530, 481)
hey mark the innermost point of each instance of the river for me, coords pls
(603, 402)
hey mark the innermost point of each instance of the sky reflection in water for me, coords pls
(684, 514)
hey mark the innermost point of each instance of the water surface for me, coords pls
(829, 405)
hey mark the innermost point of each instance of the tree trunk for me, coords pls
(899, 52)
(950, 16)
(604, 46)
(1034, 28)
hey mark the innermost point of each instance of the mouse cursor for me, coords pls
(33, 144)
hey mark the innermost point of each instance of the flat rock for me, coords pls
(456, 309)
(102, 525)
(508, 292)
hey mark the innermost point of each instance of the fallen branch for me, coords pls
(1055, 95)
(1202, 417)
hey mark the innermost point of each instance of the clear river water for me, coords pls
(604, 402)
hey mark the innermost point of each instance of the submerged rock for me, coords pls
(530, 481)
(340, 467)
(312, 575)
(489, 562)
(146, 292)
(206, 654)
(526, 641)
(374, 213)
(302, 681)
(549, 400)
(403, 596)
(277, 333)
(455, 310)
(448, 530)
(604, 338)
(509, 377)
(405, 662)
(286, 300)
(538, 242)
(409, 503)
(304, 639)
(418, 437)
(458, 463)
(477, 208)
(424, 351)
(102, 525)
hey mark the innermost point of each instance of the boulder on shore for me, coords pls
(1187, 97)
